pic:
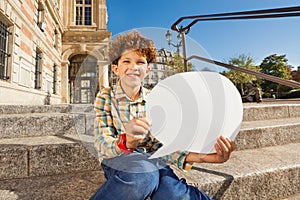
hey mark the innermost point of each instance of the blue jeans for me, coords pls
(135, 177)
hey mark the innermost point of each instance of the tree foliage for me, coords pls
(241, 79)
(178, 64)
(276, 65)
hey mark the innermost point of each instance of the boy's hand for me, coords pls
(224, 147)
(136, 131)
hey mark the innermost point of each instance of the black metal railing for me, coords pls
(282, 81)
(254, 14)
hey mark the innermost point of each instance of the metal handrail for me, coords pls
(286, 82)
(255, 14)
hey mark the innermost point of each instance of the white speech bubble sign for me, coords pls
(190, 110)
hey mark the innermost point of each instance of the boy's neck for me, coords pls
(132, 92)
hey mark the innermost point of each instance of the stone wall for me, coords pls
(26, 37)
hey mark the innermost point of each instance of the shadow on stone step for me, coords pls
(85, 141)
(81, 185)
(225, 185)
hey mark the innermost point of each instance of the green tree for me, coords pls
(178, 65)
(241, 79)
(276, 65)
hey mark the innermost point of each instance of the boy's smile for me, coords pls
(133, 74)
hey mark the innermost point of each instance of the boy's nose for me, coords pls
(134, 67)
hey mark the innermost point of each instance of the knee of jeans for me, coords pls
(141, 181)
(139, 166)
(134, 162)
(140, 176)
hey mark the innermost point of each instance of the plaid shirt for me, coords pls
(113, 109)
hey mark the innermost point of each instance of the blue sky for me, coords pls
(220, 39)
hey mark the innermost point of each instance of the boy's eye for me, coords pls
(141, 62)
(126, 61)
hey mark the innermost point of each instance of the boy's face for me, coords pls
(132, 69)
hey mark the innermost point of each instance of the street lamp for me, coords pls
(181, 42)
(169, 39)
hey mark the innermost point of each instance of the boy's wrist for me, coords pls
(122, 144)
(195, 157)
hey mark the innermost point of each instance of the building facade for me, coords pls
(52, 50)
(161, 69)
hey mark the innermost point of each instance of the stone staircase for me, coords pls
(46, 152)
(267, 162)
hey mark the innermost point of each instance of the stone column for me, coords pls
(103, 74)
(65, 93)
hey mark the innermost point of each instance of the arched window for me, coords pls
(83, 78)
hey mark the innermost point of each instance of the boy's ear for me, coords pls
(148, 70)
(115, 69)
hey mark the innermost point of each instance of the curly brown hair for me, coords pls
(135, 41)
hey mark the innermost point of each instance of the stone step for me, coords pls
(253, 134)
(265, 173)
(57, 119)
(254, 112)
(25, 109)
(71, 186)
(82, 108)
(251, 111)
(264, 133)
(59, 108)
(39, 124)
(45, 156)
(293, 197)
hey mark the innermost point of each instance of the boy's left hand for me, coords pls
(224, 147)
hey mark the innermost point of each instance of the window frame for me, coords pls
(54, 89)
(4, 49)
(82, 18)
(56, 35)
(38, 69)
(41, 16)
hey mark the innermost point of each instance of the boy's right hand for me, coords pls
(136, 130)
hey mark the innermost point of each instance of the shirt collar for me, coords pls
(120, 94)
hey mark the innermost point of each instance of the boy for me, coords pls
(122, 133)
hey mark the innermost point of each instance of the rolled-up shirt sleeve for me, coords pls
(178, 158)
(104, 130)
